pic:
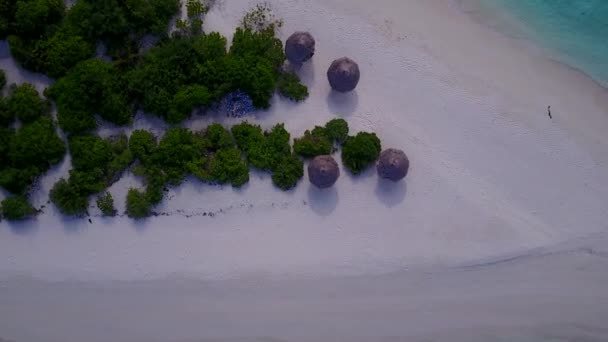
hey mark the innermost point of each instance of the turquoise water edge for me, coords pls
(573, 31)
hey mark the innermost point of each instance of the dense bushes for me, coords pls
(16, 208)
(321, 140)
(45, 38)
(360, 151)
(142, 144)
(105, 203)
(92, 87)
(138, 205)
(97, 164)
(25, 103)
(270, 151)
(31, 151)
(337, 130)
(312, 144)
(289, 86)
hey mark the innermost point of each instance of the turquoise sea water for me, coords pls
(574, 31)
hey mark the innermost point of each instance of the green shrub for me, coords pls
(105, 203)
(137, 204)
(34, 16)
(218, 137)
(90, 152)
(57, 54)
(187, 99)
(178, 148)
(289, 86)
(25, 103)
(6, 136)
(142, 144)
(68, 198)
(37, 144)
(6, 117)
(360, 151)
(29, 152)
(91, 87)
(247, 136)
(288, 172)
(313, 144)
(16, 208)
(2, 79)
(18, 180)
(337, 130)
(227, 165)
(195, 8)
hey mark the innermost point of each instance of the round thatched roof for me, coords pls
(343, 74)
(393, 164)
(299, 47)
(323, 171)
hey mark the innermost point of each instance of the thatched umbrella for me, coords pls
(343, 74)
(393, 164)
(323, 171)
(299, 47)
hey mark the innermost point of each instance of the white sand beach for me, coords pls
(492, 178)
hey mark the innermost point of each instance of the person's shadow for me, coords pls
(391, 193)
(342, 104)
(322, 201)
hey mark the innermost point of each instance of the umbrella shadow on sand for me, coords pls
(391, 193)
(342, 104)
(322, 201)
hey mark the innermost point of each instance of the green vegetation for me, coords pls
(25, 103)
(289, 86)
(105, 203)
(138, 205)
(16, 208)
(92, 87)
(312, 144)
(142, 144)
(2, 79)
(46, 38)
(29, 152)
(321, 140)
(337, 130)
(360, 151)
(270, 151)
(97, 164)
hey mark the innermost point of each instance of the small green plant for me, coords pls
(288, 172)
(138, 205)
(337, 130)
(261, 19)
(16, 208)
(105, 203)
(25, 103)
(142, 144)
(289, 86)
(2, 79)
(360, 151)
(196, 8)
(313, 143)
(68, 198)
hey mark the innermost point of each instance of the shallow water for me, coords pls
(574, 31)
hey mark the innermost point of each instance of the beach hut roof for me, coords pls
(323, 171)
(393, 164)
(299, 47)
(343, 74)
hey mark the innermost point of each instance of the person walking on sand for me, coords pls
(549, 112)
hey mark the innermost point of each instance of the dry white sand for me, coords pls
(492, 178)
